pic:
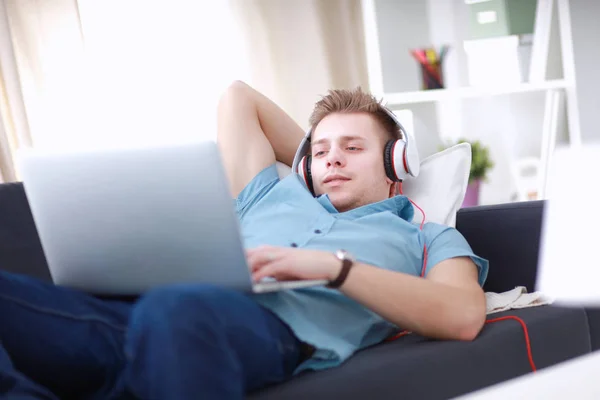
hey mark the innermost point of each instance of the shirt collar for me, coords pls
(399, 205)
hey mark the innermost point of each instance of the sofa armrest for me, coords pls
(20, 247)
(508, 235)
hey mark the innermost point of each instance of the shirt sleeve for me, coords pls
(444, 242)
(256, 189)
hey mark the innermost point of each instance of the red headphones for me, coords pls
(400, 156)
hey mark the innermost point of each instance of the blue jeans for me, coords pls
(174, 342)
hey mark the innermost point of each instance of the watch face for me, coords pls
(344, 255)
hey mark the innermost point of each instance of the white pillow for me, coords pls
(440, 187)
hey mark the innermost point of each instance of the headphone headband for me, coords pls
(410, 156)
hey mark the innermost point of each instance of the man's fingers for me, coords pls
(259, 249)
(261, 257)
(261, 273)
(253, 261)
(277, 270)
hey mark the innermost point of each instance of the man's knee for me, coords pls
(177, 308)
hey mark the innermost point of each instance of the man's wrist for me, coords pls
(334, 267)
(345, 263)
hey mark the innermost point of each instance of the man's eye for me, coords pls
(353, 148)
(319, 153)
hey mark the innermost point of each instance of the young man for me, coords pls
(189, 341)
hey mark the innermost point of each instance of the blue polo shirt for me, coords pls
(284, 213)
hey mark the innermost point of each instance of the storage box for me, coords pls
(497, 61)
(494, 18)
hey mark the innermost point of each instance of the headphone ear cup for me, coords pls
(309, 181)
(411, 159)
(394, 160)
(388, 160)
(399, 160)
(404, 155)
(304, 172)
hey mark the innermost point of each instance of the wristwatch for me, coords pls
(347, 262)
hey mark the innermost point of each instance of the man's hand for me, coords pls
(283, 263)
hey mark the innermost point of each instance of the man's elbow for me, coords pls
(236, 91)
(471, 323)
(235, 103)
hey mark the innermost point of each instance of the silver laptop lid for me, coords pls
(124, 220)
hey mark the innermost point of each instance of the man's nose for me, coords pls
(335, 157)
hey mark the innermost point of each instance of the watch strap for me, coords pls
(341, 278)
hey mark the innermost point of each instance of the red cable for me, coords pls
(397, 336)
(523, 325)
(425, 245)
(507, 317)
(525, 332)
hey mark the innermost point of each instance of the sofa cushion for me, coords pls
(593, 315)
(508, 236)
(416, 367)
(20, 247)
(441, 185)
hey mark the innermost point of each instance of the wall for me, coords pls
(300, 49)
(586, 48)
(402, 25)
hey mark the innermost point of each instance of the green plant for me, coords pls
(481, 162)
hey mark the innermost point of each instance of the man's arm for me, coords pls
(253, 132)
(447, 304)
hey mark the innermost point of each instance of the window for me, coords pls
(154, 70)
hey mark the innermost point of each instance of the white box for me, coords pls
(497, 61)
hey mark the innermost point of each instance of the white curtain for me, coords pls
(298, 49)
(157, 68)
(47, 43)
(15, 130)
(118, 72)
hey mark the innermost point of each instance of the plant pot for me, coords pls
(472, 194)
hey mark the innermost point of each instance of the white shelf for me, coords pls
(427, 96)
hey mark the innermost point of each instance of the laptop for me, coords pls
(568, 268)
(122, 221)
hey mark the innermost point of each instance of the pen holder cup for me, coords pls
(432, 76)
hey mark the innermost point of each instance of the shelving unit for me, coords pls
(426, 96)
(559, 102)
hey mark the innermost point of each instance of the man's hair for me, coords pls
(353, 101)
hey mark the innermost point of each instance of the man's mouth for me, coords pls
(335, 180)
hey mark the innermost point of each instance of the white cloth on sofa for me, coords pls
(515, 298)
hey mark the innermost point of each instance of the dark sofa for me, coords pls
(412, 367)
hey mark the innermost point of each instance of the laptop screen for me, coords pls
(569, 259)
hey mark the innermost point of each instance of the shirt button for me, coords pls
(317, 231)
(294, 245)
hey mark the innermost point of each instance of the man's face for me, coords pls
(347, 160)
